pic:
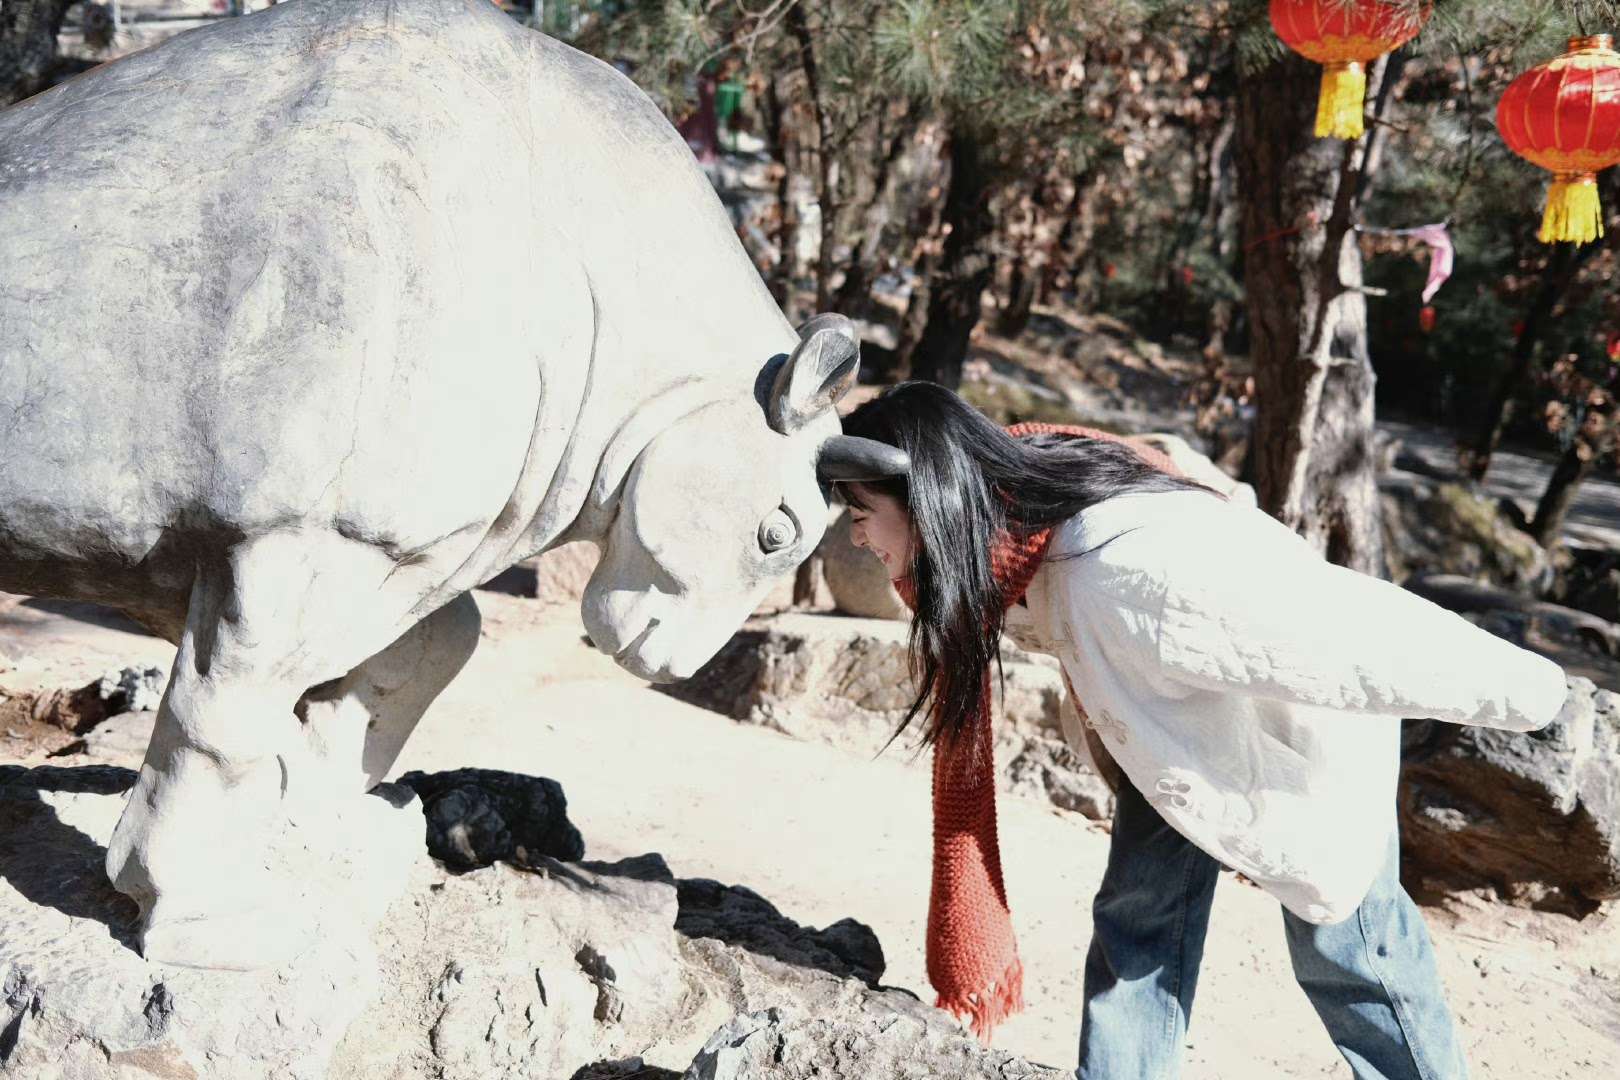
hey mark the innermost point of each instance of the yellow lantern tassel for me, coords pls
(1572, 210)
(1342, 101)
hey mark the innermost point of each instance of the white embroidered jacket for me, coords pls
(1253, 691)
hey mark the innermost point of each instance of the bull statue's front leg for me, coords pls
(249, 822)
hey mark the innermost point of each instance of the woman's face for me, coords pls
(883, 527)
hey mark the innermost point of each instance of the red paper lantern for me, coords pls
(1426, 318)
(1614, 345)
(1565, 116)
(1343, 36)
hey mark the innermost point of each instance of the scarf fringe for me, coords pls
(984, 1010)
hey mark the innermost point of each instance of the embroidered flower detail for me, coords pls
(1177, 793)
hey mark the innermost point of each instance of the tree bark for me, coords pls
(28, 30)
(779, 129)
(1573, 466)
(854, 294)
(965, 268)
(1563, 266)
(1311, 453)
(826, 185)
(1021, 286)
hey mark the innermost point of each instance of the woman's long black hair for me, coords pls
(971, 482)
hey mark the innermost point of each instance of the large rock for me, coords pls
(847, 682)
(1443, 528)
(81, 708)
(1588, 579)
(781, 1044)
(1535, 815)
(562, 970)
(858, 581)
(558, 576)
(739, 916)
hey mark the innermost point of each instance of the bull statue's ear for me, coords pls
(820, 370)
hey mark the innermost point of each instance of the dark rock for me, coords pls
(624, 1069)
(1534, 815)
(1588, 579)
(476, 817)
(739, 916)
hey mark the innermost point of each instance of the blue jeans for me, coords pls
(1371, 978)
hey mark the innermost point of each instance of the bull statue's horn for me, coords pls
(849, 457)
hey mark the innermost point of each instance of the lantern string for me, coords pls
(1442, 253)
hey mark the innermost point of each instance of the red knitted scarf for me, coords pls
(972, 954)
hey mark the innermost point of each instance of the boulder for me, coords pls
(562, 573)
(476, 817)
(82, 708)
(1588, 579)
(558, 576)
(1432, 528)
(1533, 815)
(557, 970)
(739, 916)
(118, 740)
(847, 682)
(789, 1044)
(858, 581)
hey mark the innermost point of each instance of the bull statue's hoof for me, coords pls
(347, 862)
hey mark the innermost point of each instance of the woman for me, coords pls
(1250, 692)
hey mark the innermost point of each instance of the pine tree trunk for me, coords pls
(826, 183)
(966, 265)
(1021, 285)
(1071, 250)
(1548, 525)
(779, 130)
(28, 30)
(1563, 265)
(1311, 452)
(854, 294)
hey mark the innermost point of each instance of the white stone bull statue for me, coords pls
(313, 320)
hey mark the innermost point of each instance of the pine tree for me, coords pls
(28, 31)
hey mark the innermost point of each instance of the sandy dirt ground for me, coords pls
(825, 835)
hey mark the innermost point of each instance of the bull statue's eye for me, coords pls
(777, 531)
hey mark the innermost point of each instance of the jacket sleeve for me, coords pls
(1240, 607)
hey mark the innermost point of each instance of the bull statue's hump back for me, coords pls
(312, 320)
(345, 218)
